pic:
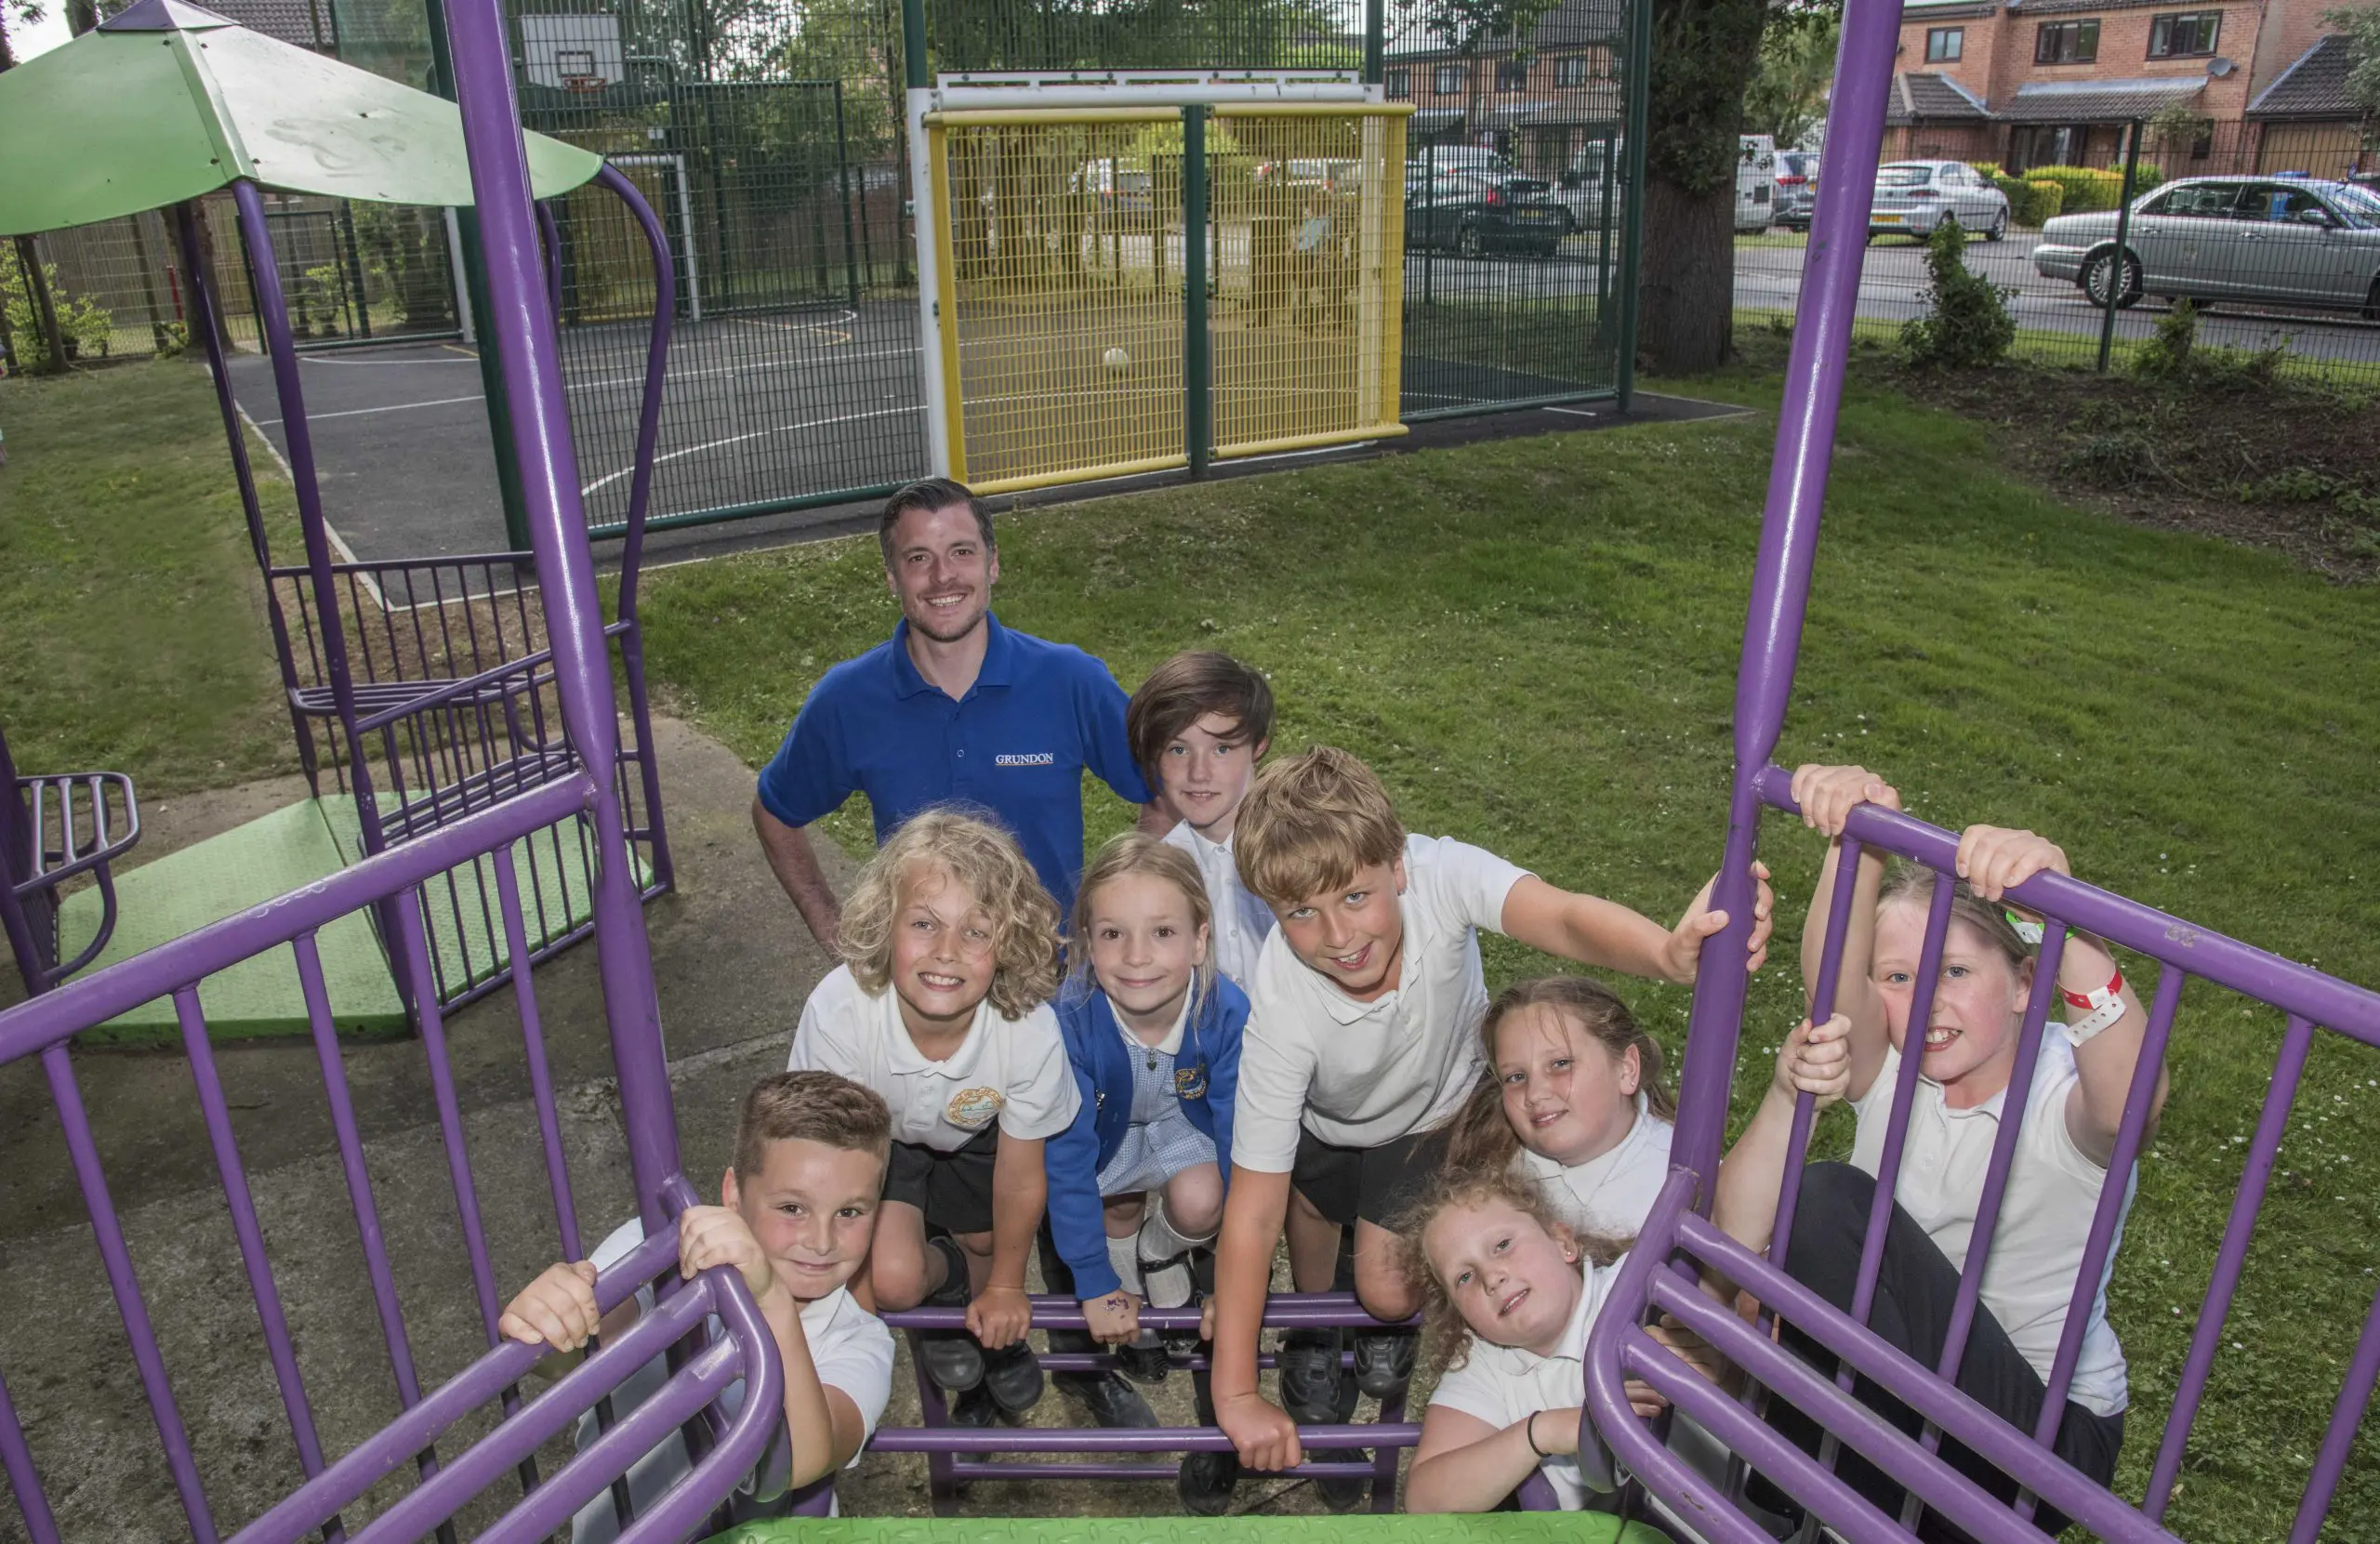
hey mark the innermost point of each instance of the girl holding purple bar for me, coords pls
(1971, 1042)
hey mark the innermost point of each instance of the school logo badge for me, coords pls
(1190, 1082)
(973, 1109)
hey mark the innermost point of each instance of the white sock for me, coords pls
(1160, 1239)
(1124, 1254)
(1169, 1286)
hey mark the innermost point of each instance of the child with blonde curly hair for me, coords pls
(950, 951)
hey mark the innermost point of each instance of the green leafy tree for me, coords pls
(1788, 97)
(2362, 25)
(18, 13)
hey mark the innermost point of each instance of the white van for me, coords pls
(1755, 183)
(1581, 186)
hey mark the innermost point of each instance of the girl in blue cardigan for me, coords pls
(1152, 1033)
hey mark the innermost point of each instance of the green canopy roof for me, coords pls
(168, 101)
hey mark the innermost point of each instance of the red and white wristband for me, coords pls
(2100, 1008)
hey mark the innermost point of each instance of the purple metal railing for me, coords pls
(573, 666)
(430, 681)
(955, 1456)
(56, 827)
(1676, 1236)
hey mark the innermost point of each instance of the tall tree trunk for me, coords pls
(1704, 53)
(1689, 276)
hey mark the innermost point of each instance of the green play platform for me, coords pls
(287, 850)
(1510, 1527)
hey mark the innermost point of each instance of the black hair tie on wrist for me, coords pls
(1529, 1429)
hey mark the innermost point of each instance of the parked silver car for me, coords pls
(2285, 240)
(1912, 197)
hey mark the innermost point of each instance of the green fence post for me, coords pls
(843, 173)
(2123, 235)
(466, 220)
(913, 44)
(1375, 34)
(1198, 408)
(1632, 206)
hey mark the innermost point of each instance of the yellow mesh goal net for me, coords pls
(1088, 321)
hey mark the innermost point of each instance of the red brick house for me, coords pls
(1536, 100)
(2030, 82)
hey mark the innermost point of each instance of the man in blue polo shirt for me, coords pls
(955, 706)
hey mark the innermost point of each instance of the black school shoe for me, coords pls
(1385, 1361)
(1013, 1376)
(1107, 1399)
(1206, 1482)
(1144, 1360)
(952, 1358)
(974, 1409)
(1316, 1391)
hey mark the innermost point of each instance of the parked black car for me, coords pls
(1476, 215)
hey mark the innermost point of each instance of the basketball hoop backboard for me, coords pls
(572, 53)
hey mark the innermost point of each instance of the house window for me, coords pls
(1573, 70)
(2067, 42)
(2190, 35)
(1400, 84)
(1446, 80)
(1512, 74)
(1944, 44)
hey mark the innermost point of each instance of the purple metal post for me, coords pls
(1789, 538)
(245, 1225)
(2228, 1262)
(648, 434)
(521, 323)
(199, 282)
(17, 1463)
(272, 319)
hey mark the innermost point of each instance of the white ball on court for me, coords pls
(1117, 358)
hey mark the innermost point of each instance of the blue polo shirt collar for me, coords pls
(999, 660)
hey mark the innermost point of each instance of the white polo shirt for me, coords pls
(850, 1347)
(1011, 1070)
(1362, 1074)
(1612, 1193)
(1504, 1384)
(2044, 1216)
(1242, 922)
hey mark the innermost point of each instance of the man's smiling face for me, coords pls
(943, 572)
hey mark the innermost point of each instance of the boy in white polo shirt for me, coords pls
(1362, 1042)
(800, 1208)
(942, 1007)
(1197, 727)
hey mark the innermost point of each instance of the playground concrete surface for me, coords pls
(734, 966)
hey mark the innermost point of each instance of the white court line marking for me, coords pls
(1578, 412)
(382, 363)
(391, 408)
(757, 434)
(338, 544)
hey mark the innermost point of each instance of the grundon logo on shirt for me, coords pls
(1026, 759)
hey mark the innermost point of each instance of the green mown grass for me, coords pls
(1534, 642)
(132, 631)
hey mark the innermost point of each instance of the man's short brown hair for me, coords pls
(1185, 690)
(1310, 823)
(931, 492)
(810, 1106)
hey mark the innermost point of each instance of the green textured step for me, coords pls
(1504, 1527)
(288, 849)
(209, 880)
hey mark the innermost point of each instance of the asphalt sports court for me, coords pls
(757, 408)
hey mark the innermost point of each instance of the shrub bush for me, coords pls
(2166, 356)
(1969, 326)
(2031, 199)
(2087, 188)
(2045, 201)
